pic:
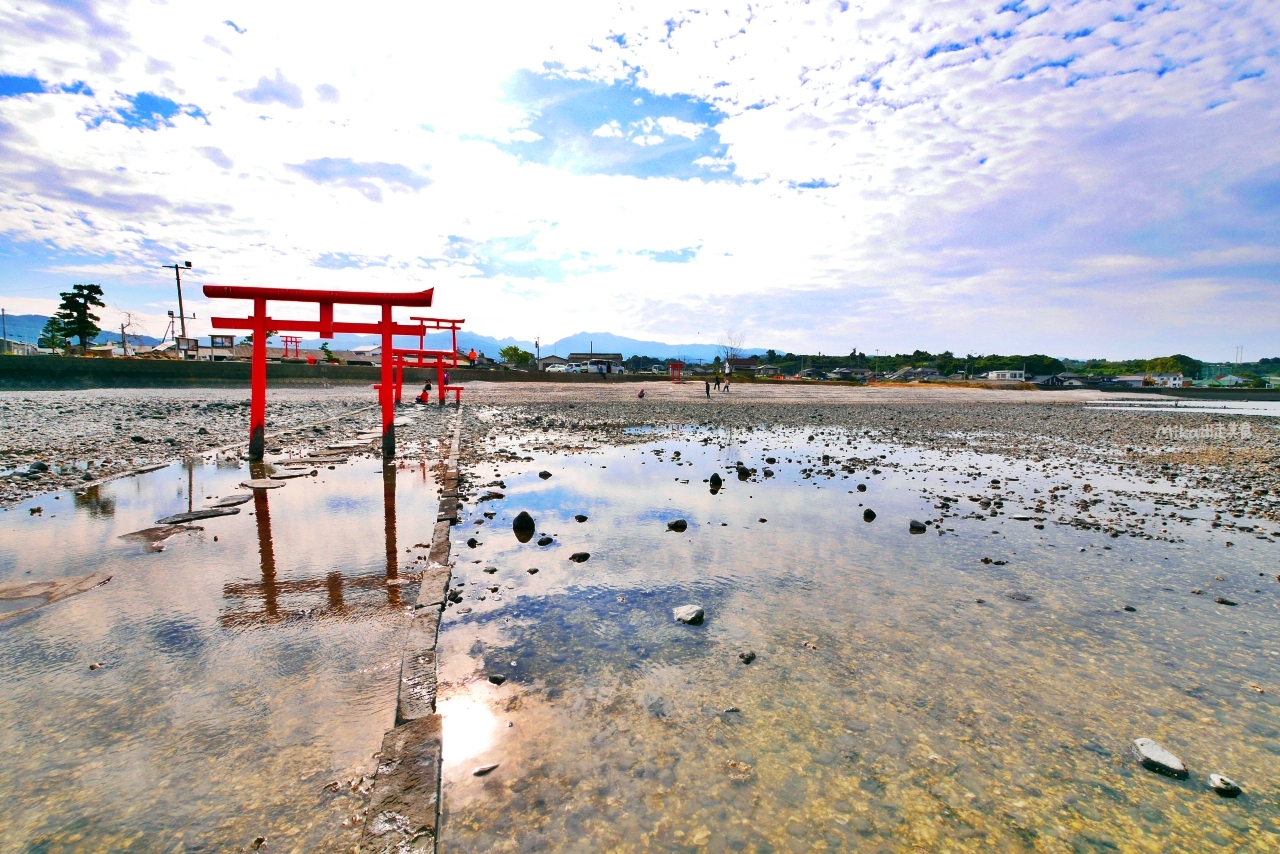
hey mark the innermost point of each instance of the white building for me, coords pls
(1018, 376)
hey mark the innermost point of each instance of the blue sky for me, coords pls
(1096, 178)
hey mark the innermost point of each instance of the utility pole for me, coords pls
(537, 346)
(4, 329)
(177, 274)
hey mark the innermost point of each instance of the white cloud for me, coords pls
(610, 128)
(672, 126)
(1029, 191)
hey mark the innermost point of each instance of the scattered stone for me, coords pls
(917, 527)
(580, 557)
(491, 569)
(233, 500)
(1221, 600)
(545, 541)
(523, 522)
(472, 542)
(1020, 518)
(1154, 757)
(690, 615)
(206, 513)
(862, 487)
(262, 483)
(980, 601)
(533, 570)
(497, 678)
(95, 666)
(1130, 608)
(747, 657)
(1224, 786)
(1019, 597)
(679, 525)
(481, 770)
(544, 474)
(739, 771)
(763, 520)
(258, 842)
(729, 710)
(716, 481)
(1197, 591)
(581, 517)
(868, 515)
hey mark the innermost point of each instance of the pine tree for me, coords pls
(75, 316)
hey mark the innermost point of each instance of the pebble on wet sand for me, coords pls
(581, 517)
(1224, 601)
(1224, 786)
(533, 570)
(545, 541)
(544, 474)
(580, 557)
(523, 522)
(747, 657)
(481, 770)
(679, 525)
(917, 527)
(1154, 757)
(868, 515)
(497, 678)
(688, 614)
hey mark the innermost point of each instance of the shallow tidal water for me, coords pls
(247, 671)
(905, 695)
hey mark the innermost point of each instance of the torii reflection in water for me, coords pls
(346, 596)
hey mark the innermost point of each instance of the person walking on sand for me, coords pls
(708, 382)
(717, 382)
(726, 385)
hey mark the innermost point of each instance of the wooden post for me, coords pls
(387, 390)
(258, 382)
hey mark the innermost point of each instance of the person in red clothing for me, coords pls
(425, 395)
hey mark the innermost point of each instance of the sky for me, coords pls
(1084, 179)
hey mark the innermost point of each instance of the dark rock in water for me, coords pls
(763, 520)
(770, 460)
(744, 473)
(678, 525)
(1220, 600)
(544, 474)
(1019, 597)
(688, 614)
(37, 466)
(1130, 608)
(472, 542)
(862, 487)
(580, 557)
(1152, 756)
(524, 526)
(1224, 786)
(580, 518)
(980, 601)
(768, 472)
(917, 527)
(716, 481)
(657, 706)
(490, 569)
(206, 513)
(1198, 592)
(868, 515)
(497, 678)
(545, 541)
(747, 657)
(533, 570)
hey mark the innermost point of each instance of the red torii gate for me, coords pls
(259, 323)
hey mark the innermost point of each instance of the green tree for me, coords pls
(771, 357)
(248, 339)
(75, 315)
(53, 335)
(513, 355)
(328, 354)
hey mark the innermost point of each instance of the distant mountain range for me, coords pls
(582, 342)
(26, 327)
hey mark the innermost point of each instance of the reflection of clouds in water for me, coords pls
(470, 727)
(350, 504)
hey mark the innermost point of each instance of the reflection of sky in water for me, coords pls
(887, 708)
(239, 676)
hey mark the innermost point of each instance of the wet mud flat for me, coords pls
(852, 685)
(234, 675)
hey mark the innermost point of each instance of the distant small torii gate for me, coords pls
(259, 323)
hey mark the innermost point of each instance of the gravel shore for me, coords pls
(73, 437)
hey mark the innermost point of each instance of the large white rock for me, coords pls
(690, 614)
(1154, 757)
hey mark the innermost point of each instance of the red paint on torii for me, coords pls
(326, 326)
